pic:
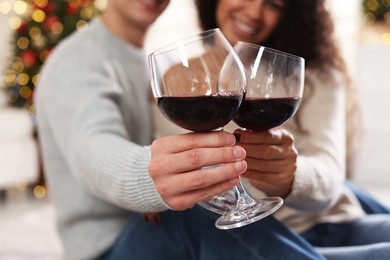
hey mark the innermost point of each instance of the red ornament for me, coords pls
(72, 9)
(50, 8)
(84, 3)
(50, 21)
(28, 57)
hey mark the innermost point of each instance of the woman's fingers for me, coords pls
(271, 159)
(265, 152)
(274, 166)
(276, 136)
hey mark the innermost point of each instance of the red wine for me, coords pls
(200, 113)
(260, 114)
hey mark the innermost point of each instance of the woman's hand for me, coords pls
(271, 158)
(177, 166)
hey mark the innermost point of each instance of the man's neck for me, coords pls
(128, 32)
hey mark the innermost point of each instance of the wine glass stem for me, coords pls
(243, 196)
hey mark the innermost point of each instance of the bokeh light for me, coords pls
(39, 191)
(386, 38)
(22, 43)
(20, 7)
(38, 16)
(14, 22)
(5, 7)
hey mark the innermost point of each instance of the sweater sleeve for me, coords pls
(321, 160)
(90, 128)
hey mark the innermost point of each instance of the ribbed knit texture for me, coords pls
(95, 129)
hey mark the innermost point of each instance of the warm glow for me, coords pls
(18, 66)
(386, 38)
(41, 3)
(101, 4)
(25, 92)
(21, 185)
(5, 7)
(87, 13)
(387, 16)
(10, 76)
(57, 28)
(80, 24)
(74, 3)
(38, 16)
(14, 22)
(20, 7)
(372, 5)
(43, 55)
(39, 191)
(35, 79)
(22, 79)
(35, 33)
(22, 43)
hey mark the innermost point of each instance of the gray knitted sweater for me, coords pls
(95, 129)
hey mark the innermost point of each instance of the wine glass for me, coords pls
(199, 84)
(273, 95)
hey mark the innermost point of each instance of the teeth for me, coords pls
(244, 27)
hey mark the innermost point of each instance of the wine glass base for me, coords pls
(221, 203)
(244, 215)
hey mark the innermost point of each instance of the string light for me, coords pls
(39, 191)
(20, 7)
(386, 38)
(5, 7)
(39, 26)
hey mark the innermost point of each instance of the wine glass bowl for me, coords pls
(198, 82)
(275, 86)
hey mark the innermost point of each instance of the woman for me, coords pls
(294, 27)
(307, 160)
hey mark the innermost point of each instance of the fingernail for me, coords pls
(238, 152)
(237, 136)
(239, 166)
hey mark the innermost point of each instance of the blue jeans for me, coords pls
(368, 238)
(191, 234)
(369, 204)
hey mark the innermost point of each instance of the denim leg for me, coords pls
(143, 240)
(369, 204)
(192, 234)
(378, 251)
(368, 238)
(265, 239)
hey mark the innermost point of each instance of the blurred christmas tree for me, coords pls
(41, 25)
(377, 11)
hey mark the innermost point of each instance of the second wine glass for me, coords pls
(274, 91)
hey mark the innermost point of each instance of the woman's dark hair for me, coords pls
(306, 29)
